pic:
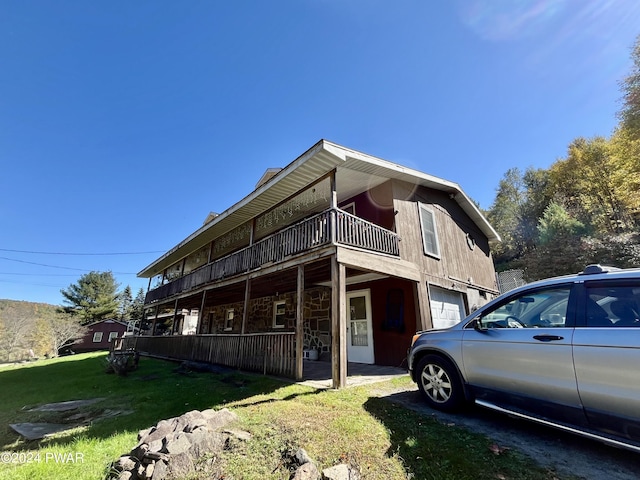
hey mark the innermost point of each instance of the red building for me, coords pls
(99, 335)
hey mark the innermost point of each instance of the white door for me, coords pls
(359, 329)
(447, 307)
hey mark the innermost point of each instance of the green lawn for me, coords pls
(386, 441)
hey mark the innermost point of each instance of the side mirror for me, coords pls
(477, 325)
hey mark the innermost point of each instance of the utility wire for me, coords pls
(80, 254)
(57, 266)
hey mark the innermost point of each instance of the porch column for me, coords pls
(175, 316)
(338, 324)
(423, 309)
(245, 309)
(300, 322)
(201, 312)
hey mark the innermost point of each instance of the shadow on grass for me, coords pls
(157, 390)
(430, 449)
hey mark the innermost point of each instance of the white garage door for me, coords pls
(447, 307)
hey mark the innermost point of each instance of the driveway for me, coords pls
(562, 452)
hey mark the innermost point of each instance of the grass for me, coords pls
(352, 425)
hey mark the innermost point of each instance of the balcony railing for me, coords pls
(311, 233)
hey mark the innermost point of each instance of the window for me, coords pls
(613, 306)
(228, 319)
(545, 308)
(97, 337)
(112, 335)
(279, 320)
(349, 208)
(429, 234)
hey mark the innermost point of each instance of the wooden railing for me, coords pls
(313, 232)
(267, 353)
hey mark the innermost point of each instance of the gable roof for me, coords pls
(355, 173)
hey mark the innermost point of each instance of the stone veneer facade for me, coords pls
(316, 311)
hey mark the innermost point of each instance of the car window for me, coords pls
(613, 306)
(541, 308)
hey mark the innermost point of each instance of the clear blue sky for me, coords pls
(124, 123)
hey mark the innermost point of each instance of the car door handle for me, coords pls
(547, 338)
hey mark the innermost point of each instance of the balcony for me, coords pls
(331, 227)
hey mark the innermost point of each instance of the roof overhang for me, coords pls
(355, 173)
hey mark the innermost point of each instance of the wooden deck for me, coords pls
(330, 227)
(267, 353)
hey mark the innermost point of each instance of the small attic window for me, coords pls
(268, 175)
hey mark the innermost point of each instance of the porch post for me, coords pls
(201, 312)
(300, 322)
(245, 309)
(175, 315)
(423, 311)
(338, 324)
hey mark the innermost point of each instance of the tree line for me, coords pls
(35, 330)
(585, 208)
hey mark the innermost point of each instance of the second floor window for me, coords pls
(429, 233)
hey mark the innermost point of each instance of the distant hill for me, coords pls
(23, 329)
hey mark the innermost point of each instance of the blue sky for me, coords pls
(124, 123)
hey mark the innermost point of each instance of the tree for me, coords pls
(54, 332)
(126, 302)
(137, 306)
(94, 297)
(630, 113)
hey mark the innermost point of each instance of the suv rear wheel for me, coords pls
(440, 383)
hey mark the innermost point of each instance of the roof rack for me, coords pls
(597, 268)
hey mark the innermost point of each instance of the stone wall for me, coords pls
(316, 310)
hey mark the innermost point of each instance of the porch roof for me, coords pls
(355, 173)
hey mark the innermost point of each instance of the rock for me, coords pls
(156, 445)
(306, 471)
(140, 451)
(148, 471)
(204, 441)
(157, 456)
(178, 445)
(180, 465)
(145, 432)
(125, 475)
(160, 470)
(303, 457)
(240, 435)
(221, 418)
(340, 472)
(124, 463)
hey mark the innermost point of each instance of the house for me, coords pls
(338, 253)
(99, 335)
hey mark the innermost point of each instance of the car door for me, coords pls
(606, 350)
(520, 355)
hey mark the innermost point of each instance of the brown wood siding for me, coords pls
(457, 260)
(390, 344)
(87, 344)
(375, 206)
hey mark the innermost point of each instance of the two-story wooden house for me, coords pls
(339, 252)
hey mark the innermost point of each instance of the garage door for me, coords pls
(447, 307)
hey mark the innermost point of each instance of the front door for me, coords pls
(359, 330)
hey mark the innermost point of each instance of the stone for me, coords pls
(222, 418)
(302, 457)
(239, 435)
(160, 470)
(124, 463)
(340, 472)
(125, 475)
(148, 471)
(306, 471)
(157, 456)
(203, 441)
(156, 445)
(178, 445)
(140, 451)
(180, 465)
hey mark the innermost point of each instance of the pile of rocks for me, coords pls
(178, 447)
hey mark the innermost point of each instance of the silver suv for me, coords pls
(563, 351)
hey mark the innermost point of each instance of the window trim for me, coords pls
(229, 315)
(97, 337)
(112, 335)
(423, 207)
(276, 304)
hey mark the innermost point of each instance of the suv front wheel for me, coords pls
(440, 383)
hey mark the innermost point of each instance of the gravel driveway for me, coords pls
(565, 453)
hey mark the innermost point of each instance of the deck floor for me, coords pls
(317, 374)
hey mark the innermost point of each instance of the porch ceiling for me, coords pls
(356, 172)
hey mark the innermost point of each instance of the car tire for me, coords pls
(439, 383)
